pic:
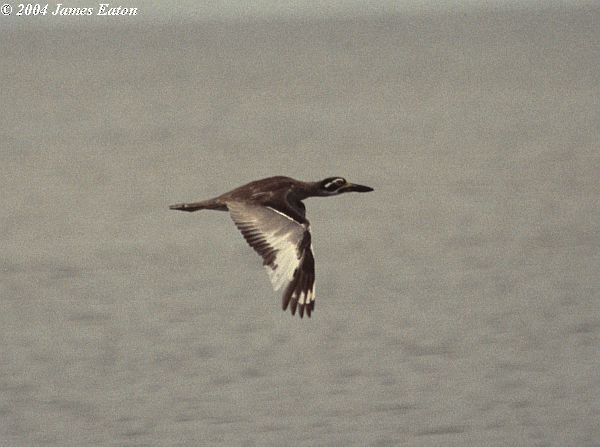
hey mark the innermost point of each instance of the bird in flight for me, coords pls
(272, 218)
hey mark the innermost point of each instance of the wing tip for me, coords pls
(291, 301)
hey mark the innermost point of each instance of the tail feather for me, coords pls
(211, 204)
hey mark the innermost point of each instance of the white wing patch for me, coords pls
(286, 253)
(286, 259)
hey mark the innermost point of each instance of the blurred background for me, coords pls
(458, 304)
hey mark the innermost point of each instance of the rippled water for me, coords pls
(458, 304)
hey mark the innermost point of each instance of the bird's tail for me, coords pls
(211, 204)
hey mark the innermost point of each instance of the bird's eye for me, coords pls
(334, 184)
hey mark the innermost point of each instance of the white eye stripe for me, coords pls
(336, 182)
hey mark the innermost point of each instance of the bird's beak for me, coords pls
(351, 187)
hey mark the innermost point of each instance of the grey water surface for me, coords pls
(458, 304)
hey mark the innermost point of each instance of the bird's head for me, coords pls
(332, 186)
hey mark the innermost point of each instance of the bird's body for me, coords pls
(272, 218)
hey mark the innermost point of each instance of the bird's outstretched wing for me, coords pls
(286, 249)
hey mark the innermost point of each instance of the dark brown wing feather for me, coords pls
(302, 283)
